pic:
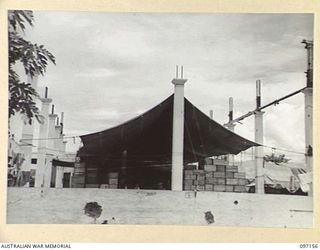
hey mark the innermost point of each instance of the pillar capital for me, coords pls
(53, 116)
(259, 112)
(307, 91)
(177, 81)
(230, 126)
(46, 100)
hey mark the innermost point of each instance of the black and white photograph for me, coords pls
(140, 118)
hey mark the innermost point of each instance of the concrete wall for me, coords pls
(65, 206)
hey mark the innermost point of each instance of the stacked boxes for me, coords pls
(78, 178)
(216, 176)
(112, 181)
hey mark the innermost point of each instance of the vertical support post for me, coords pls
(177, 134)
(50, 153)
(308, 100)
(42, 146)
(124, 158)
(59, 147)
(258, 123)
(230, 126)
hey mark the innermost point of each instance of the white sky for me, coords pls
(113, 66)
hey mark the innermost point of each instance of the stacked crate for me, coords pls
(194, 179)
(78, 178)
(113, 181)
(216, 176)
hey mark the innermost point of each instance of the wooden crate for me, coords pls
(190, 177)
(230, 175)
(229, 188)
(92, 185)
(188, 172)
(188, 182)
(199, 172)
(220, 162)
(208, 187)
(104, 186)
(113, 181)
(219, 188)
(190, 167)
(221, 181)
(219, 174)
(198, 182)
(232, 181)
(200, 188)
(79, 170)
(208, 161)
(232, 169)
(189, 187)
(209, 174)
(77, 185)
(221, 168)
(200, 177)
(78, 178)
(113, 186)
(240, 189)
(210, 168)
(240, 175)
(211, 180)
(242, 182)
(113, 175)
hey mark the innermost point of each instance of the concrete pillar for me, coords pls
(177, 135)
(258, 123)
(42, 145)
(50, 152)
(230, 157)
(59, 147)
(308, 99)
(308, 96)
(258, 135)
(231, 127)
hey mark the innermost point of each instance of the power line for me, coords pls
(282, 149)
(73, 137)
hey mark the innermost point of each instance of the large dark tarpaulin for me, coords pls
(148, 137)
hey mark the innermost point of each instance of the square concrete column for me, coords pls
(231, 127)
(308, 121)
(50, 150)
(258, 122)
(177, 135)
(59, 147)
(43, 134)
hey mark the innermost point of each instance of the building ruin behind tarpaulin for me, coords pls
(140, 149)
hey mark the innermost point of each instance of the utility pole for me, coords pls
(178, 132)
(258, 134)
(308, 96)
